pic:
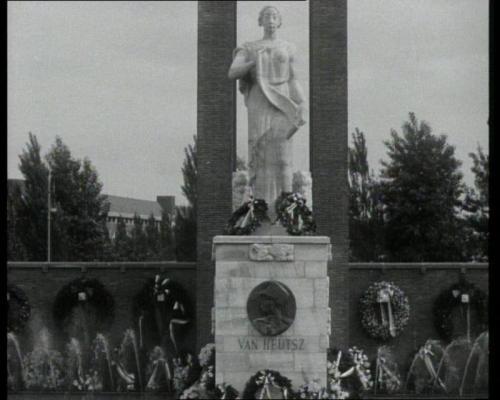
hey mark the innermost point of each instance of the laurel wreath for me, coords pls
(294, 215)
(265, 379)
(370, 310)
(19, 309)
(453, 297)
(161, 298)
(247, 218)
(89, 291)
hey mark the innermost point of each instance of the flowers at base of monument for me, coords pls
(312, 390)
(385, 310)
(158, 370)
(294, 215)
(268, 384)
(224, 391)
(207, 355)
(185, 373)
(247, 218)
(387, 376)
(348, 373)
(43, 370)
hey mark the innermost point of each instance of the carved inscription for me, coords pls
(271, 252)
(270, 344)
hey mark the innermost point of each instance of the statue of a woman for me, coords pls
(275, 103)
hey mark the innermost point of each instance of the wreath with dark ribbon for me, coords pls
(294, 215)
(18, 309)
(462, 294)
(89, 294)
(162, 310)
(385, 310)
(264, 383)
(247, 218)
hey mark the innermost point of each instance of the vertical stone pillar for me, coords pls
(328, 147)
(216, 144)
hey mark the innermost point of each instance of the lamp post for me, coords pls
(49, 210)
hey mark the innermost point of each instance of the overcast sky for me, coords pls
(117, 80)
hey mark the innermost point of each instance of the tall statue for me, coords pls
(276, 107)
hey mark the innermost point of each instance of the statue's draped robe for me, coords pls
(272, 118)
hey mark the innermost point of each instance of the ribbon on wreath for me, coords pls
(128, 377)
(382, 369)
(249, 216)
(425, 353)
(267, 382)
(384, 300)
(157, 363)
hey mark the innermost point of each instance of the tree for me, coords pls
(138, 240)
(366, 223)
(122, 248)
(185, 234)
(476, 205)
(15, 248)
(32, 212)
(152, 239)
(421, 190)
(78, 227)
(167, 244)
(185, 219)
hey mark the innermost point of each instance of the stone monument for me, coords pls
(271, 293)
(276, 107)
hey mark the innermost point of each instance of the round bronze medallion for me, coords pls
(271, 308)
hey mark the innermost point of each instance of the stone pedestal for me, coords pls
(297, 263)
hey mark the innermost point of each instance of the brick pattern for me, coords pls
(422, 289)
(328, 147)
(216, 143)
(123, 280)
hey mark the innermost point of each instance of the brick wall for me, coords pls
(42, 281)
(328, 146)
(422, 283)
(216, 143)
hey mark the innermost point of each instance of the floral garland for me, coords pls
(84, 291)
(19, 309)
(385, 310)
(43, 370)
(162, 309)
(247, 218)
(266, 381)
(294, 215)
(461, 293)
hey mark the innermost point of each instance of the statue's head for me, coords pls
(270, 18)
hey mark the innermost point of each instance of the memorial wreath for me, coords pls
(264, 382)
(294, 215)
(84, 291)
(247, 218)
(465, 294)
(385, 310)
(161, 308)
(19, 309)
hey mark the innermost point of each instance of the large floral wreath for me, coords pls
(247, 218)
(294, 215)
(84, 292)
(162, 309)
(264, 382)
(464, 294)
(385, 310)
(19, 309)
